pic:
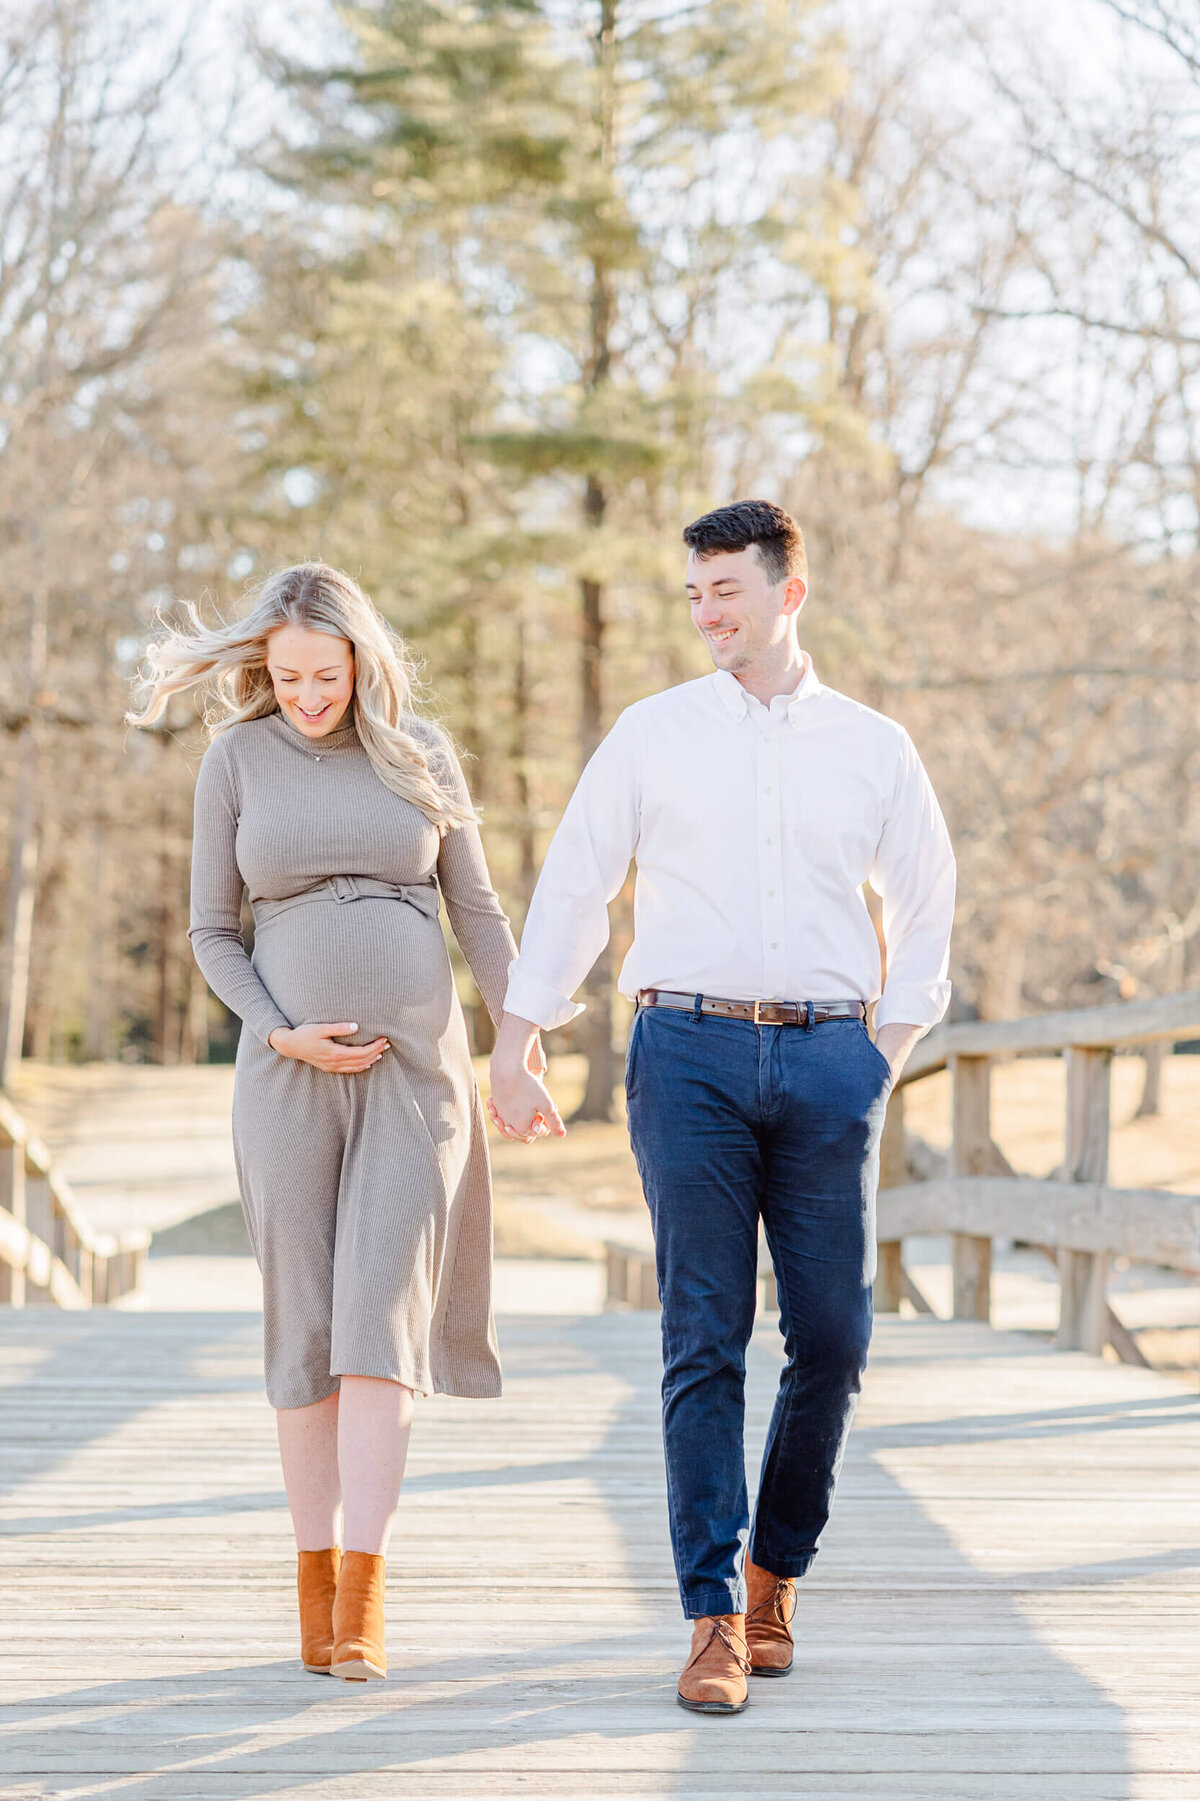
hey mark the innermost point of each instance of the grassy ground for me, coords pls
(1029, 1116)
(591, 1167)
(157, 1139)
(146, 1146)
(143, 1146)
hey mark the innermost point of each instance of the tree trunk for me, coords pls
(481, 1028)
(1150, 1105)
(195, 1034)
(472, 734)
(22, 890)
(526, 845)
(167, 1031)
(97, 1023)
(597, 1102)
(23, 850)
(1001, 989)
(480, 1031)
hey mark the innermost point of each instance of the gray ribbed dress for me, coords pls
(367, 1197)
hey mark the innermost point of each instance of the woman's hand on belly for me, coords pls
(314, 1044)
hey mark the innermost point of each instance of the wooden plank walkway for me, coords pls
(1008, 1604)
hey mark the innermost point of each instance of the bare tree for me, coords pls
(95, 273)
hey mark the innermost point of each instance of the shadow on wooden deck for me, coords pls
(998, 1610)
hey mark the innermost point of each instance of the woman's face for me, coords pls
(312, 674)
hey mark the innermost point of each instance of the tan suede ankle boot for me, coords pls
(714, 1677)
(316, 1584)
(358, 1651)
(770, 1607)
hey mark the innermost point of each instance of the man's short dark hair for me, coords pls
(779, 539)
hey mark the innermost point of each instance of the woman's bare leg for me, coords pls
(308, 1451)
(374, 1419)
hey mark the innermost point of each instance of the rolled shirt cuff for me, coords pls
(529, 998)
(912, 1004)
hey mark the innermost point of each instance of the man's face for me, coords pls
(742, 616)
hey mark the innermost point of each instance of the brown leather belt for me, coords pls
(762, 1013)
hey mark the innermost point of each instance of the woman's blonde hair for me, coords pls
(230, 658)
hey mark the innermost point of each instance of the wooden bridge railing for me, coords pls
(48, 1252)
(1078, 1218)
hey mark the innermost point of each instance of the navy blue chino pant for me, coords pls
(729, 1122)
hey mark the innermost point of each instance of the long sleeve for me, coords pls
(586, 863)
(216, 918)
(476, 916)
(914, 876)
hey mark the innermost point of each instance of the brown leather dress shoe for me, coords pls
(358, 1652)
(316, 1584)
(714, 1677)
(770, 1609)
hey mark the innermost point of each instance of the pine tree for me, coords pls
(625, 247)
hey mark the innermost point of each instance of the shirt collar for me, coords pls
(733, 696)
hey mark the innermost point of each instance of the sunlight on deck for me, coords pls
(1006, 1604)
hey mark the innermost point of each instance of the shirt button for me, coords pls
(774, 945)
(770, 894)
(766, 841)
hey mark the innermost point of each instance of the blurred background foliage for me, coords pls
(483, 302)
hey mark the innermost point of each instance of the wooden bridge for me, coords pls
(1007, 1604)
(48, 1251)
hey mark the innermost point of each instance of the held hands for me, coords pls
(314, 1044)
(520, 1105)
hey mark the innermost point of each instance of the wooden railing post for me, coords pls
(893, 1173)
(1083, 1275)
(889, 1277)
(12, 1199)
(971, 1256)
(39, 1215)
(84, 1274)
(630, 1276)
(615, 1272)
(48, 1253)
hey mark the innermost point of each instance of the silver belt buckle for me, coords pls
(757, 1008)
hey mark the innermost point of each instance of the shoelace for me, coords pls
(784, 1598)
(726, 1634)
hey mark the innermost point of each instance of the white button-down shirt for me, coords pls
(754, 829)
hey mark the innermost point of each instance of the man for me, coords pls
(757, 803)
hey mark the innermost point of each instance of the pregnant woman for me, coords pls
(357, 1125)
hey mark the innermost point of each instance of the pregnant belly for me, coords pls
(378, 962)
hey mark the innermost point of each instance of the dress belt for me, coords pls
(763, 1013)
(424, 896)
